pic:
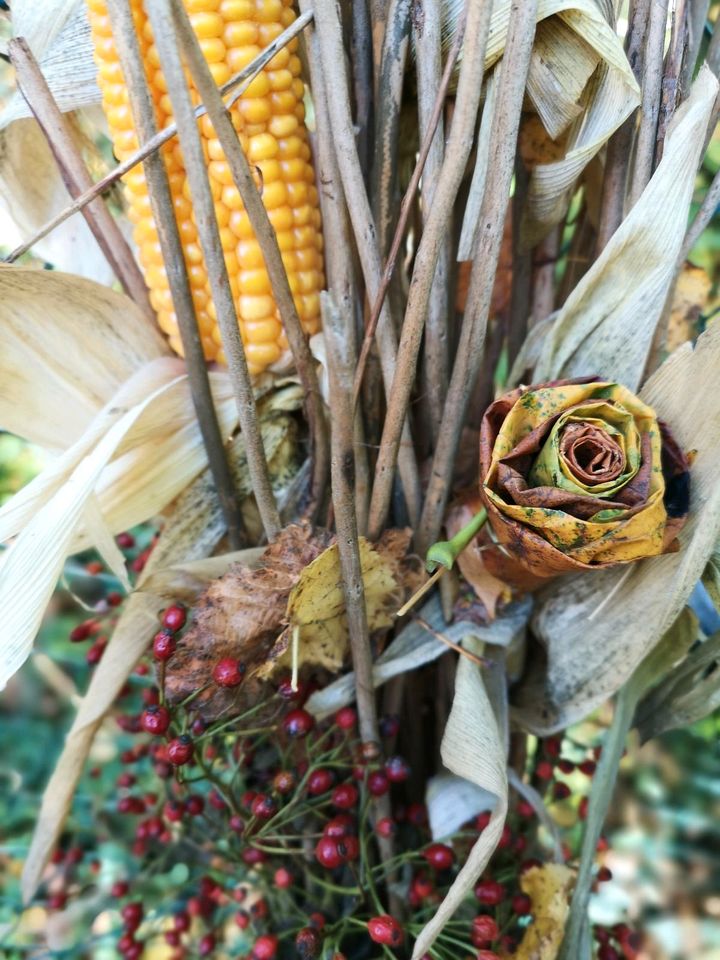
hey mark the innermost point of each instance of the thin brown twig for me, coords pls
(702, 218)
(59, 135)
(362, 75)
(480, 661)
(619, 151)
(460, 143)
(674, 60)
(387, 121)
(697, 18)
(506, 121)
(339, 267)
(405, 208)
(650, 106)
(427, 34)
(329, 33)
(165, 21)
(267, 240)
(143, 110)
(340, 366)
(151, 144)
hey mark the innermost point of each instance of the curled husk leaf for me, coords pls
(576, 475)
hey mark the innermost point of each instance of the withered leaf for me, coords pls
(548, 887)
(316, 606)
(240, 615)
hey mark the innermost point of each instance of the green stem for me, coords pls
(600, 798)
(445, 552)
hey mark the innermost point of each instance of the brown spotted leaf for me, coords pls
(316, 606)
(240, 615)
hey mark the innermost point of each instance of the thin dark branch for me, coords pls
(243, 78)
(362, 75)
(143, 109)
(59, 135)
(405, 208)
(329, 33)
(161, 14)
(674, 60)
(460, 143)
(506, 121)
(651, 91)
(427, 33)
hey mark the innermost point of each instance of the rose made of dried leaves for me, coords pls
(577, 474)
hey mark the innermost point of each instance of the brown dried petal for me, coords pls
(592, 455)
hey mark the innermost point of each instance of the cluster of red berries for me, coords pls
(240, 804)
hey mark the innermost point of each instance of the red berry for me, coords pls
(490, 892)
(285, 690)
(317, 920)
(174, 617)
(484, 930)
(553, 746)
(349, 847)
(521, 904)
(561, 791)
(284, 781)
(194, 805)
(119, 888)
(417, 814)
(206, 945)
(439, 855)
(125, 540)
(606, 952)
(228, 672)
(263, 807)
(265, 947)
(385, 827)
(487, 955)
(132, 914)
(397, 769)
(505, 838)
(525, 809)
(385, 929)
(57, 901)
(529, 864)
(345, 796)
(389, 726)
(327, 853)
(83, 630)
(588, 767)
(566, 766)
(320, 781)
(340, 826)
(174, 811)
(182, 921)
(298, 723)
(242, 919)
(180, 750)
(252, 857)
(544, 770)
(172, 938)
(163, 645)
(378, 783)
(604, 874)
(155, 720)
(283, 878)
(236, 823)
(346, 718)
(423, 886)
(583, 807)
(308, 943)
(482, 820)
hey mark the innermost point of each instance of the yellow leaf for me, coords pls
(316, 608)
(549, 888)
(690, 299)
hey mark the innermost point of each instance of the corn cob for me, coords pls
(269, 118)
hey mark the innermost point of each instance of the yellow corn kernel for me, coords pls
(269, 120)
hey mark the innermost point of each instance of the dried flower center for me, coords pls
(591, 453)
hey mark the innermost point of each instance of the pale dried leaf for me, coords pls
(58, 33)
(417, 645)
(472, 749)
(607, 323)
(452, 801)
(32, 191)
(590, 657)
(66, 346)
